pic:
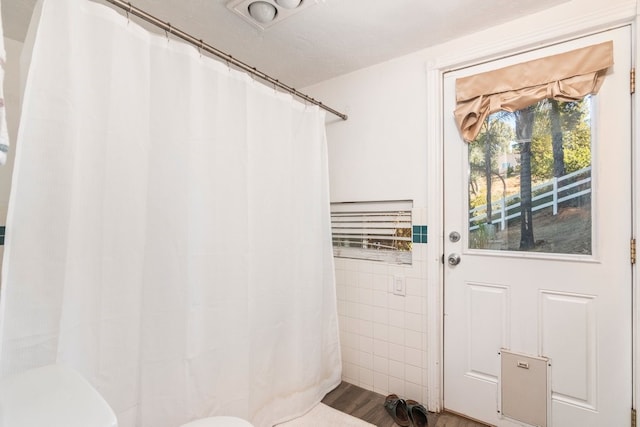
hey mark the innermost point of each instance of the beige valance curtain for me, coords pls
(568, 76)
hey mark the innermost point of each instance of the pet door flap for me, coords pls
(524, 388)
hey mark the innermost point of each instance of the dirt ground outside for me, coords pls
(568, 232)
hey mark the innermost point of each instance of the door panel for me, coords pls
(567, 297)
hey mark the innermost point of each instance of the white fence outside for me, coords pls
(547, 195)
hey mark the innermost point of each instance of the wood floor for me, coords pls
(369, 406)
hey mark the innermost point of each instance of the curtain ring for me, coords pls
(166, 33)
(200, 48)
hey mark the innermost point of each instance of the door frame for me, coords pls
(559, 30)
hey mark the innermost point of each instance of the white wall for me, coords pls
(12, 102)
(380, 154)
(389, 149)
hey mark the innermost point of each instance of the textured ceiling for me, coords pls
(327, 39)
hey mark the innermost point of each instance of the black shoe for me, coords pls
(397, 408)
(417, 413)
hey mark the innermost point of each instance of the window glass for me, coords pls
(530, 180)
(376, 231)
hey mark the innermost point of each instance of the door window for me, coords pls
(530, 183)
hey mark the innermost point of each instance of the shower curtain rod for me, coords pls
(166, 26)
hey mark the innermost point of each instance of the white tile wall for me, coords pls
(383, 335)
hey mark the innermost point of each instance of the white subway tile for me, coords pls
(396, 335)
(366, 360)
(414, 322)
(413, 304)
(350, 372)
(396, 386)
(381, 283)
(380, 268)
(366, 344)
(380, 299)
(351, 355)
(366, 378)
(381, 365)
(351, 293)
(396, 369)
(396, 352)
(381, 315)
(365, 328)
(365, 280)
(365, 296)
(396, 302)
(382, 335)
(381, 348)
(351, 309)
(351, 278)
(349, 339)
(414, 357)
(381, 331)
(365, 312)
(396, 318)
(413, 391)
(413, 374)
(415, 286)
(381, 383)
(365, 266)
(350, 324)
(413, 339)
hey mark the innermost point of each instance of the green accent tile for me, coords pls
(419, 234)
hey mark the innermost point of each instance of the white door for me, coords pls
(567, 298)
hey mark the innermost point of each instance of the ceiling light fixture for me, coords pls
(265, 13)
(289, 4)
(262, 11)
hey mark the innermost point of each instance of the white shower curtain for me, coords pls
(4, 134)
(168, 232)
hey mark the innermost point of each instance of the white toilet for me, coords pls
(57, 396)
(53, 396)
